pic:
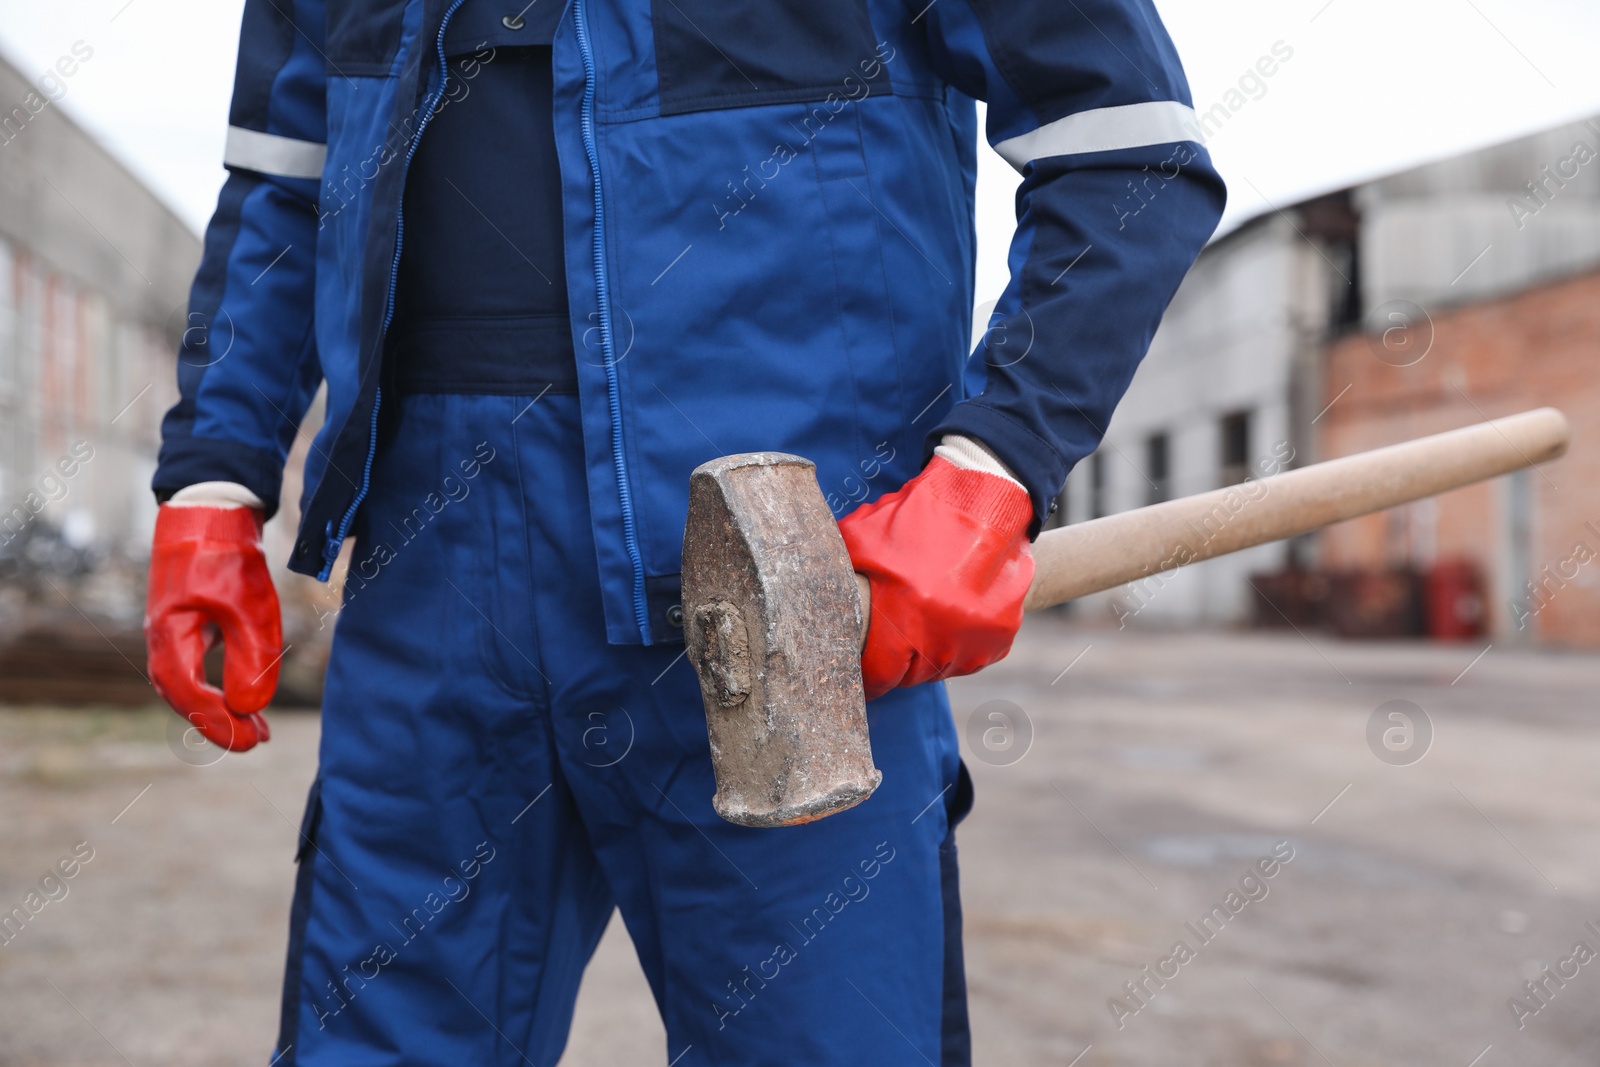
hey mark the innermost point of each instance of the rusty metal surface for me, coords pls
(773, 625)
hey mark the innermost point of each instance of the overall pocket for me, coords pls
(363, 36)
(715, 54)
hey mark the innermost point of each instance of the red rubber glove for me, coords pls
(209, 579)
(949, 563)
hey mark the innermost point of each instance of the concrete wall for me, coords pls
(94, 278)
(1484, 224)
(1237, 338)
(75, 206)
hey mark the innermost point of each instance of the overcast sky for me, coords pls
(1372, 86)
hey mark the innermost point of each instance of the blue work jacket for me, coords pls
(768, 236)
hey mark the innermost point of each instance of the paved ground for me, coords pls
(1419, 897)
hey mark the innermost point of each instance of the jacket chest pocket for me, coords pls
(715, 54)
(363, 36)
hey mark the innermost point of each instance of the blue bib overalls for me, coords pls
(495, 776)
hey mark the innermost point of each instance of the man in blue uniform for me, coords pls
(547, 259)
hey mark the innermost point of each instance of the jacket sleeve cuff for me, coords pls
(187, 461)
(1031, 459)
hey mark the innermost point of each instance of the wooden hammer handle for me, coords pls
(1090, 557)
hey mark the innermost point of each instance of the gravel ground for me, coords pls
(1126, 784)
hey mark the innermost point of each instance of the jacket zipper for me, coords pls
(330, 551)
(630, 534)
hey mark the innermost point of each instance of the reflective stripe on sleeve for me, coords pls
(267, 153)
(1104, 130)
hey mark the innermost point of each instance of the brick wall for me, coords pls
(1538, 347)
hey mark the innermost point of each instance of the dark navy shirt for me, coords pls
(481, 296)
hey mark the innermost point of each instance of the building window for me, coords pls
(1235, 448)
(1097, 485)
(1345, 307)
(1332, 225)
(1157, 466)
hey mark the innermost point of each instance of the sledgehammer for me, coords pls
(773, 611)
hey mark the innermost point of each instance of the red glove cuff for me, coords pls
(239, 525)
(988, 499)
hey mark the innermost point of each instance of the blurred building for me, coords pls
(94, 277)
(1461, 290)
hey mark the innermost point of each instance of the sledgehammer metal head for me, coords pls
(773, 624)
